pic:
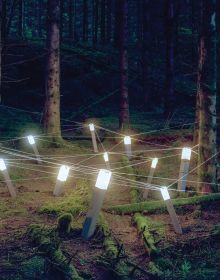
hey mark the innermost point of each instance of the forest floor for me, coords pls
(193, 255)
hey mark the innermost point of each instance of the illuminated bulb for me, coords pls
(2, 165)
(154, 163)
(186, 153)
(165, 193)
(127, 140)
(31, 140)
(103, 179)
(105, 155)
(91, 127)
(63, 173)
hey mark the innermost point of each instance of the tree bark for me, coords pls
(124, 105)
(169, 83)
(52, 103)
(207, 97)
(61, 19)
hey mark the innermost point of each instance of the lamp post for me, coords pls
(127, 143)
(61, 179)
(106, 159)
(32, 142)
(7, 178)
(171, 210)
(184, 168)
(94, 143)
(150, 177)
(99, 192)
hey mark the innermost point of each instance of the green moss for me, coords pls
(112, 258)
(64, 223)
(154, 269)
(109, 244)
(75, 203)
(160, 207)
(48, 243)
(33, 268)
(144, 229)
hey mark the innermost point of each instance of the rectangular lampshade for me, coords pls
(63, 173)
(103, 179)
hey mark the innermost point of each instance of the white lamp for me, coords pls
(184, 168)
(127, 143)
(63, 173)
(94, 143)
(150, 177)
(165, 193)
(171, 210)
(105, 155)
(91, 127)
(32, 142)
(7, 178)
(154, 163)
(61, 178)
(2, 165)
(186, 153)
(103, 179)
(127, 140)
(31, 139)
(102, 182)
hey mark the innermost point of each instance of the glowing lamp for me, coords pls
(186, 153)
(154, 163)
(63, 173)
(2, 165)
(105, 155)
(103, 179)
(31, 140)
(165, 193)
(127, 140)
(91, 127)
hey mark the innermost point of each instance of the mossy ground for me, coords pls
(36, 205)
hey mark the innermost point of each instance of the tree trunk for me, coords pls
(85, 20)
(103, 30)
(52, 104)
(207, 97)
(61, 19)
(124, 105)
(95, 21)
(169, 83)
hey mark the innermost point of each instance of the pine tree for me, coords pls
(207, 97)
(52, 103)
(124, 104)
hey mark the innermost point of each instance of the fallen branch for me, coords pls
(160, 207)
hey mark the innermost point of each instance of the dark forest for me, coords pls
(109, 146)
